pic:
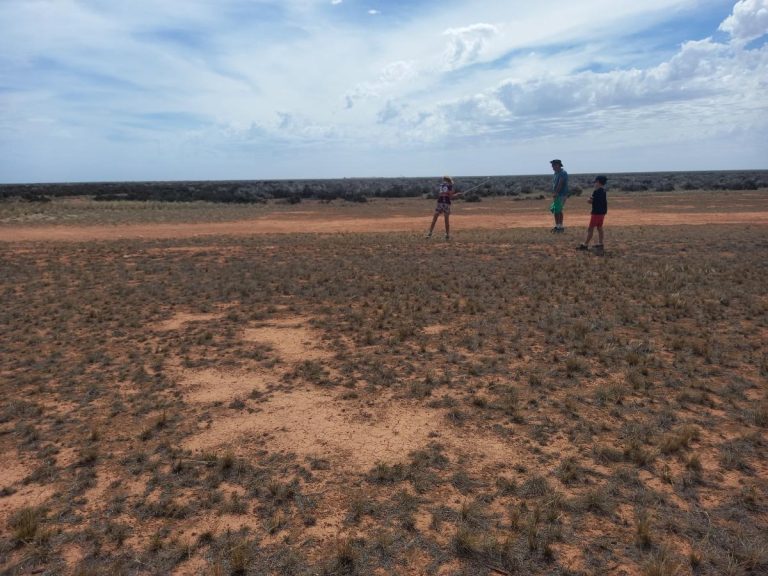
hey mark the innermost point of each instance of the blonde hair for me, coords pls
(448, 179)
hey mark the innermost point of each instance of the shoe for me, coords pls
(447, 237)
(428, 235)
(582, 247)
(555, 230)
(598, 247)
(561, 230)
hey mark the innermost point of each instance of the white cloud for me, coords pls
(235, 77)
(373, 12)
(467, 45)
(700, 70)
(749, 20)
(389, 77)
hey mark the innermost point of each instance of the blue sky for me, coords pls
(109, 90)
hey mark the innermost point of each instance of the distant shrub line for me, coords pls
(361, 189)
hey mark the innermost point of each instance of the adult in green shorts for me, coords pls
(559, 194)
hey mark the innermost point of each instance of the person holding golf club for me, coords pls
(559, 194)
(599, 201)
(444, 197)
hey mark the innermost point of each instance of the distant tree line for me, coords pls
(361, 189)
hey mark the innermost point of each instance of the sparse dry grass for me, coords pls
(580, 412)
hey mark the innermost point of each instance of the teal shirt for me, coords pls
(556, 178)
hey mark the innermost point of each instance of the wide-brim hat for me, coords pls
(556, 161)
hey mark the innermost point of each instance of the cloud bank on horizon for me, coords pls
(95, 90)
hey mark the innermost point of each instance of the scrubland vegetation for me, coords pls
(560, 413)
(361, 189)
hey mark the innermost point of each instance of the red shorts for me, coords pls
(596, 221)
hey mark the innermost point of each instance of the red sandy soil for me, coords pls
(311, 421)
(413, 215)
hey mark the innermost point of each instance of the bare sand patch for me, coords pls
(435, 329)
(314, 423)
(290, 337)
(31, 495)
(412, 215)
(14, 470)
(291, 340)
(211, 385)
(181, 318)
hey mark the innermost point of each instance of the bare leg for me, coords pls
(590, 231)
(434, 220)
(447, 225)
(600, 235)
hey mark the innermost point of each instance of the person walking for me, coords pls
(559, 194)
(599, 201)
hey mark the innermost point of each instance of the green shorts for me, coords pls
(557, 205)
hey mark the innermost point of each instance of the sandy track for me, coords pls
(329, 221)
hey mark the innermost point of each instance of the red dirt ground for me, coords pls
(413, 215)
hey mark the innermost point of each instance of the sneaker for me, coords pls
(561, 230)
(447, 237)
(582, 247)
(555, 230)
(428, 235)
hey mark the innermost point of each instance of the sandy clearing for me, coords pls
(331, 222)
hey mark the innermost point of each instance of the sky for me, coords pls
(141, 90)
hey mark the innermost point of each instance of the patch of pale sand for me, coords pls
(312, 422)
(210, 385)
(435, 329)
(72, 555)
(232, 489)
(290, 338)
(757, 394)
(27, 496)
(180, 318)
(14, 469)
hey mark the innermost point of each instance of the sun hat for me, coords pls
(556, 161)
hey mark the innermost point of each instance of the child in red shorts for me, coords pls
(599, 201)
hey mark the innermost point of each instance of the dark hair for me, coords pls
(601, 179)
